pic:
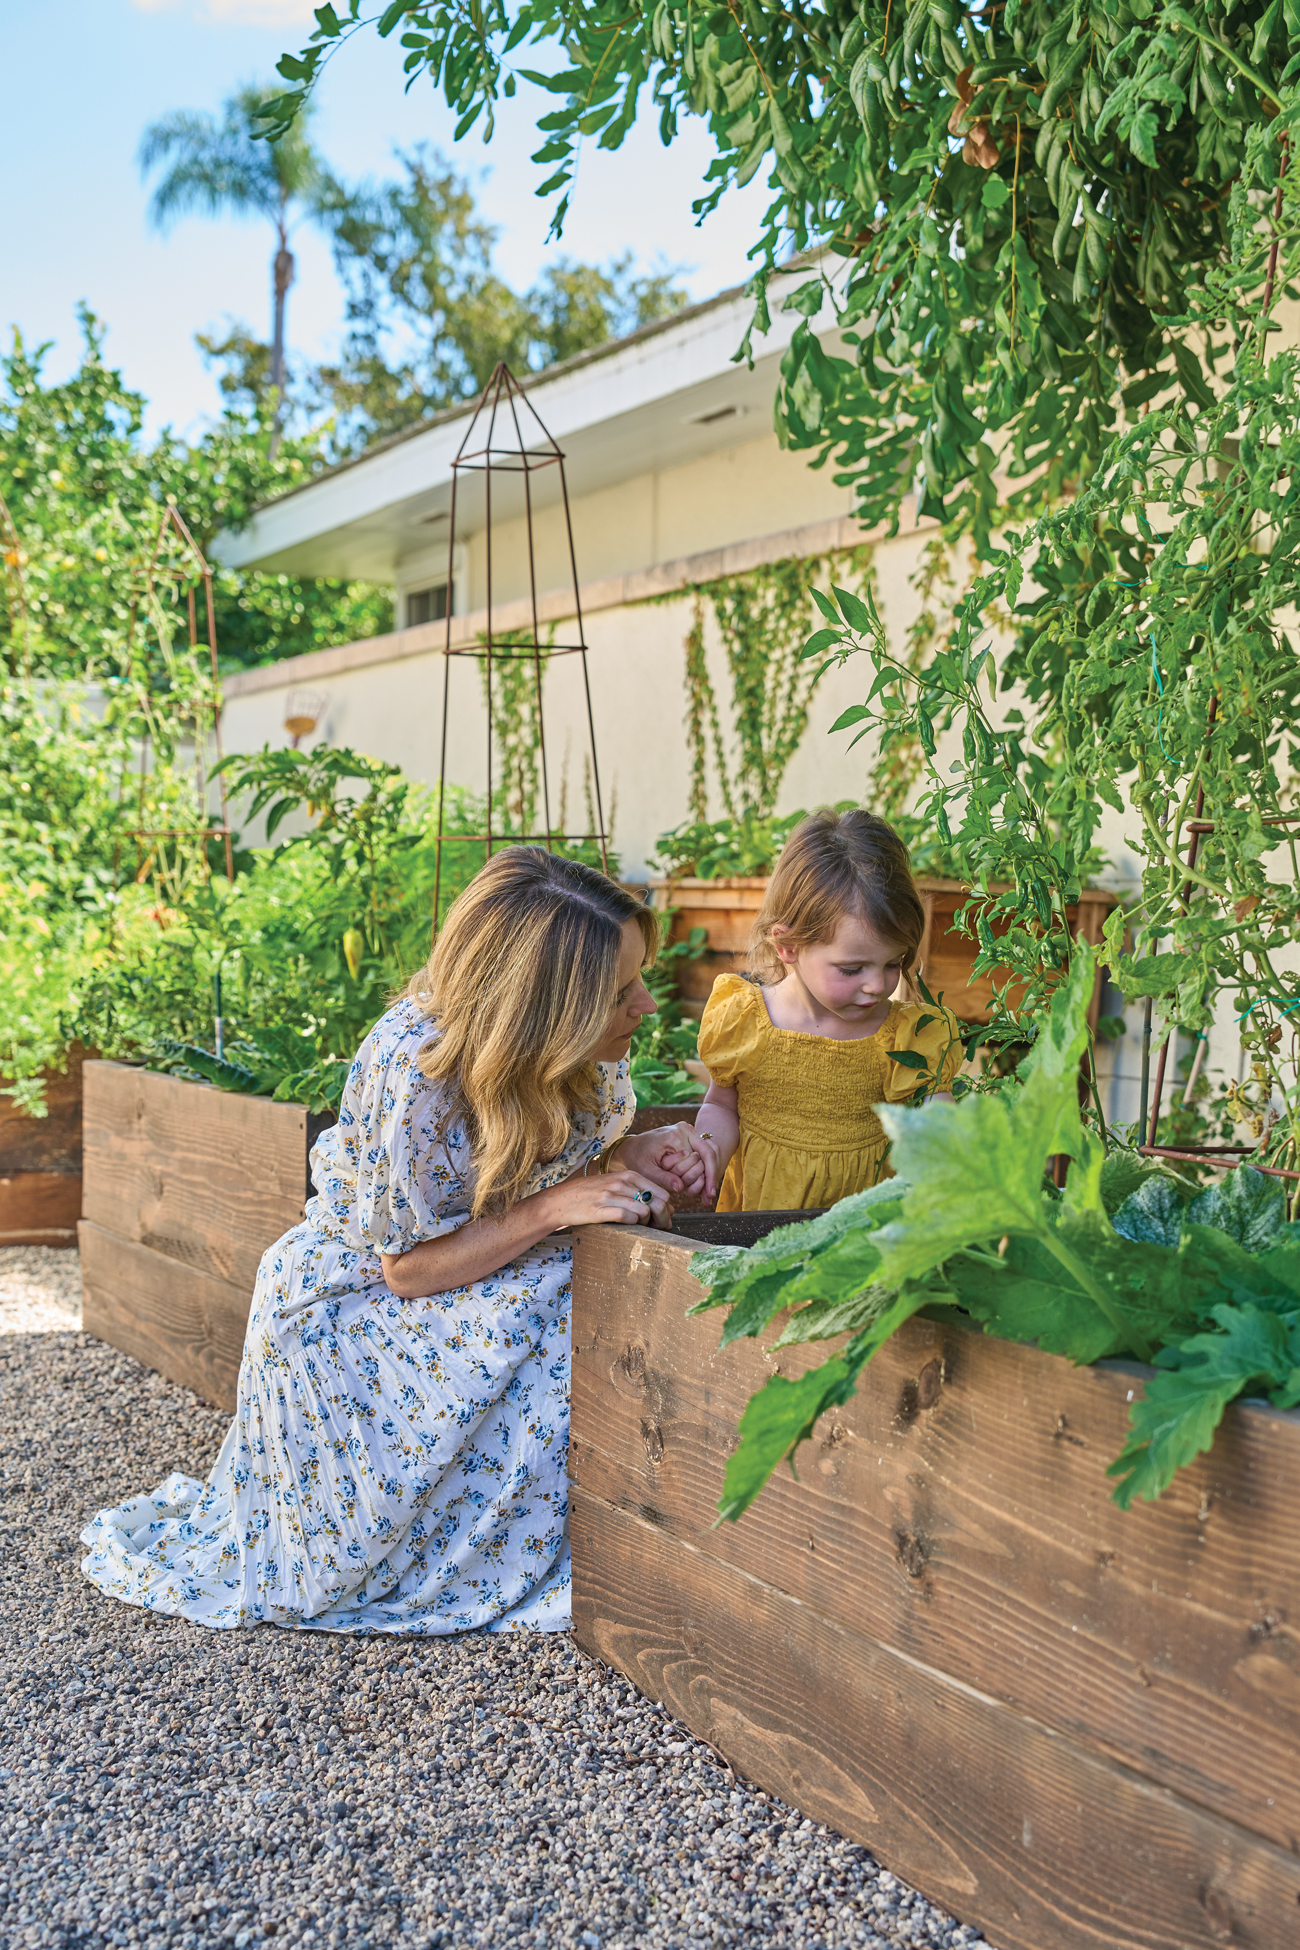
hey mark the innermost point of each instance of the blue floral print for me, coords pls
(393, 1466)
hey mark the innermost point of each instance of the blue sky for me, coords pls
(81, 78)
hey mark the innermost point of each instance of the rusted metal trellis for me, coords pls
(506, 437)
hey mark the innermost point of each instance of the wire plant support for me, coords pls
(506, 437)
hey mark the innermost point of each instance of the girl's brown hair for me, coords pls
(835, 864)
(522, 983)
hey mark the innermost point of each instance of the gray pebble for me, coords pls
(176, 1788)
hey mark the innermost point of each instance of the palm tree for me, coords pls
(219, 166)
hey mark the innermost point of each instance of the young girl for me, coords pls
(799, 1057)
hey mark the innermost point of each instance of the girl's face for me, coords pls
(632, 1001)
(850, 975)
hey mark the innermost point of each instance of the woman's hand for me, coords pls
(618, 1198)
(484, 1246)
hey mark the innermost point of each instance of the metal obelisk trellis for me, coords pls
(495, 444)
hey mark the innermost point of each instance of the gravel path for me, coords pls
(165, 1785)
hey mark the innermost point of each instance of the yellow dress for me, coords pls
(809, 1134)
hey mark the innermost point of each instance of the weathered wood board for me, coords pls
(40, 1163)
(201, 1175)
(1071, 1725)
(173, 1317)
(185, 1188)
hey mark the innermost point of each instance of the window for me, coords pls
(426, 605)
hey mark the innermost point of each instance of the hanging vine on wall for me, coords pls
(763, 618)
(519, 789)
(516, 707)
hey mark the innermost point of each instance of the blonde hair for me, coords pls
(522, 983)
(835, 864)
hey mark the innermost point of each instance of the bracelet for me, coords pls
(605, 1160)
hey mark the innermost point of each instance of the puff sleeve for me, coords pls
(931, 1033)
(392, 1171)
(732, 1029)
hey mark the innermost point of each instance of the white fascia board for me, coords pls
(645, 375)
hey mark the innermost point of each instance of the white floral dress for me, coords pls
(394, 1465)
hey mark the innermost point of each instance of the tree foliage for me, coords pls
(428, 314)
(86, 490)
(1018, 196)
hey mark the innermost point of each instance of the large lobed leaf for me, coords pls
(1182, 1406)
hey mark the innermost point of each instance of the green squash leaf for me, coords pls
(1183, 1404)
(783, 1413)
(1152, 1214)
(1247, 1205)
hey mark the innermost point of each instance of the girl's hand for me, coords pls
(691, 1167)
(699, 1168)
(619, 1198)
(671, 1157)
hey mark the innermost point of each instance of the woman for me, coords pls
(397, 1459)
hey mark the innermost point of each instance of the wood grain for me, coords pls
(1012, 1827)
(203, 1176)
(49, 1143)
(39, 1208)
(957, 1510)
(726, 908)
(175, 1318)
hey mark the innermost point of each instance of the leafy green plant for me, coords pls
(709, 849)
(67, 912)
(314, 938)
(1154, 670)
(1128, 1260)
(86, 490)
(668, 1040)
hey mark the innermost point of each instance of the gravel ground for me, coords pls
(165, 1785)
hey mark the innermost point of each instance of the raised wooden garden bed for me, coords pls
(1074, 1727)
(185, 1188)
(726, 910)
(40, 1163)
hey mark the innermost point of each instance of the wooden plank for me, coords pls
(52, 1142)
(957, 1510)
(175, 1318)
(201, 1175)
(1006, 1824)
(39, 1208)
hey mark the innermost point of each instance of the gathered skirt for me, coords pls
(393, 1465)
